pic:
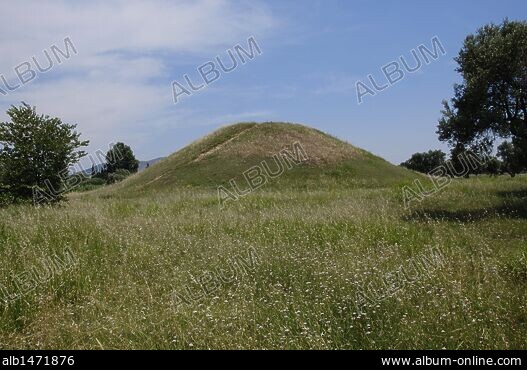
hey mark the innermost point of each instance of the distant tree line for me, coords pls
(507, 161)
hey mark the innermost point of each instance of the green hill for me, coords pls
(304, 157)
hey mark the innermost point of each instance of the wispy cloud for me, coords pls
(119, 82)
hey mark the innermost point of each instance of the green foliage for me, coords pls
(493, 166)
(491, 101)
(94, 181)
(90, 183)
(121, 156)
(6, 196)
(86, 183)
(120, 163)
(118, 176)
(511, 157)
(36, 151)
(425, 162)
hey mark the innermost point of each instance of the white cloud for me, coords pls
(104, 26)
(118, 83)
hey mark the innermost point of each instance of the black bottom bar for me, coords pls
(359, 359)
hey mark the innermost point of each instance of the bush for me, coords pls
(118, 176)
(95, 181)
(9, 197)
(89, 183)
(425, 162)
(6, 197)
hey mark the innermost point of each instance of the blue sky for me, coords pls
(118, 86)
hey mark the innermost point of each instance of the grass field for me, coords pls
(139, 273)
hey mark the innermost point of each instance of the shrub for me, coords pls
(118, 176)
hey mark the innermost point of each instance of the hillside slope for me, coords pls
(309, 159)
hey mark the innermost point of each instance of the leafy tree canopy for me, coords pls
(121, 156)
(491, 101)
(511, 159)
(36, 151)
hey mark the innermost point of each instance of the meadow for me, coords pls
(143, 269)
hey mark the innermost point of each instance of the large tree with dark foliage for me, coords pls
(511, 158)
(121, 156)
(35, 152)
(425, 162)
(491, 102)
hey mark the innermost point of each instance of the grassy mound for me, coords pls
(229, 152)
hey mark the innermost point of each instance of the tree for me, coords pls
(511, 158)
(493, 167)
(121, 156)
(491, 102)
(425, 162)
(466, 161)
(36, 152)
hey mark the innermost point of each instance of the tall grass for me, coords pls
(316, 250)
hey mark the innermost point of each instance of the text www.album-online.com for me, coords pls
(447, 361)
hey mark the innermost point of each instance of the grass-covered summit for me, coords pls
(228, 152)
